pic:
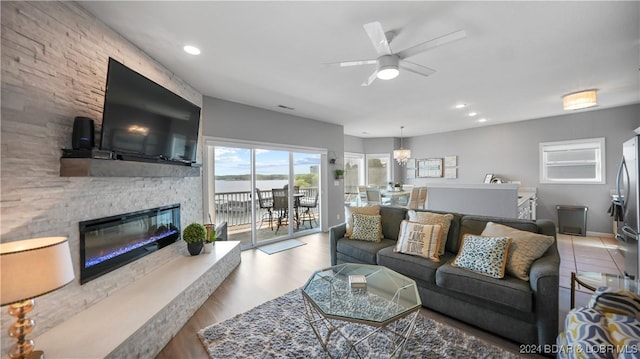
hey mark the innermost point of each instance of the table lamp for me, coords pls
(28, 269)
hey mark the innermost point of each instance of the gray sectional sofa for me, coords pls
(523, 311)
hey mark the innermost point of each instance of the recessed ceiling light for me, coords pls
(461, 105)
(191, 50)
(482, 120)
(472, 113)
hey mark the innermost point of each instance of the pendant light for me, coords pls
(401, 155)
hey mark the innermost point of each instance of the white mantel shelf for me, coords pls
(133, 321)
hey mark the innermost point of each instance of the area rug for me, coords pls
(279, 329)
(281, 246)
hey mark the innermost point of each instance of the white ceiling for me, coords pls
(517, 61)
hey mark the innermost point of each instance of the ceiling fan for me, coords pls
(388, 63)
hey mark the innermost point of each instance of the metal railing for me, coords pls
(235, 207)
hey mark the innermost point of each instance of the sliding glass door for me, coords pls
(264, 193)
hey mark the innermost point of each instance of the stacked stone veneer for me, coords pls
(54, 67)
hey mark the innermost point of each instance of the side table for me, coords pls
(595, 280)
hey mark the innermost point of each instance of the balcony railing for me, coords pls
(235, 207)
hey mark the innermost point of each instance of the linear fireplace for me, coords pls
(111, 242)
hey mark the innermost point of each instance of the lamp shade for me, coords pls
(33, 267)
(580, 100)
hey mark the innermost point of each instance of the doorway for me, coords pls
(264, 193)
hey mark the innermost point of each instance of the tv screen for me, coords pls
(145, 119)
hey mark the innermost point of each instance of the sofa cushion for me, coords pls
(525, 247)
(418, 268)
(419, 240)
(366, 228)
(484, 255)
(509, 291)
(363, 251)
(434, 218)
(368, 210)
(391, 219)
(476, 224)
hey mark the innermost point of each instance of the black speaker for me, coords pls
(83, 134)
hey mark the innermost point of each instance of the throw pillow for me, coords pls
(525, 247)
(419, 240)
(434, 218)
(368, 210)
(484, 255)
(366, 228)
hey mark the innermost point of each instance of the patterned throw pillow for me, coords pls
(366, 228)
(617, 301)
(525, 247)
(368, 210)
(434, 218)
(419, 240)
(484, 255)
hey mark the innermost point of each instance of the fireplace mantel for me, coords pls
(91, 167)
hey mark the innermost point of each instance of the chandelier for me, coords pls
(401, 155)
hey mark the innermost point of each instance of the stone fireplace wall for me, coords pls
(54, 67)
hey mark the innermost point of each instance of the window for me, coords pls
(576, 161)
(353, 172)
(378, 169)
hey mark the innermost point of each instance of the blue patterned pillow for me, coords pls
(484, 255)
(366, 228)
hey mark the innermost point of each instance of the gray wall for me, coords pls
(376, 146)
(510, 151)
(230, 120)
(54, 66)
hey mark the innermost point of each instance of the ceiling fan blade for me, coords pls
(416, 69)
(428, 45)
(351, 63)
(371, 78)
(378, 38)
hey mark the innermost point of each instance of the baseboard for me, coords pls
(600, 234)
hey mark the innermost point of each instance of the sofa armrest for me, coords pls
(545, 280)
(335, 233)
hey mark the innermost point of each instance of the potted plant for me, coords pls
(339, 174)
(194, 234)
(211, 238)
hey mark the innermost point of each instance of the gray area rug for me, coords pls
(279, 329)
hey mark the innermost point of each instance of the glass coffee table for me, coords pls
(345, 318)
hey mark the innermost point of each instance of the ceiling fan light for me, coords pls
(388, 72)
(580, 100)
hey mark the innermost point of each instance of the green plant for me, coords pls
(339, 173)
(211, 234)
(194, 233)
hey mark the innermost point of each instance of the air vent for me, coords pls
(286, 107)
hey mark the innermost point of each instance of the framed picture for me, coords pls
(488, 177)
(450, 161)
(451, 173)
(430, 167)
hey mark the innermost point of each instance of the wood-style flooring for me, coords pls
(261, 277)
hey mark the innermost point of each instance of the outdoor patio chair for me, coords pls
(281, 206)
(265, 204)
(309, 204)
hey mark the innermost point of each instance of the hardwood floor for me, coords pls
(261, 277)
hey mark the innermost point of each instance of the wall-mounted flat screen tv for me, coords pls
(144, 119)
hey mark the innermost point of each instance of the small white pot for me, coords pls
(208, 247)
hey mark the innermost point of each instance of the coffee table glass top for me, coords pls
(595, 280)
(387, 297)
